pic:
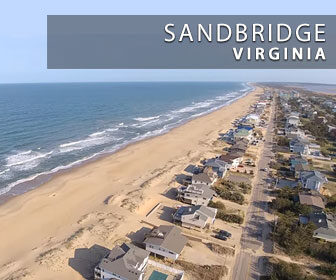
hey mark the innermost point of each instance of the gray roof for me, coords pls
(202, 177)
(168, 237)
(200, 189)
(328, 234)
(316, 175)
(319, 219)
(231, 156)
(311, 200)
(327, 231)
(301, 141)
(215, 162)
(286, 183)
(240, 145)
(125, 260)
(204, 212)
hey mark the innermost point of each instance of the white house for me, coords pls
(252, 118)
(293, 120)
(232, 159)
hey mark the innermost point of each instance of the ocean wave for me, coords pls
(147, 123)
(52, 171)
(4, 171)
(112, 129)
(28, 158)
(99, 133)
(195, 106)
(5, 174)
(147, 119)
(150, 127)
(84, 143)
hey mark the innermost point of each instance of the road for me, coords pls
(254, 242)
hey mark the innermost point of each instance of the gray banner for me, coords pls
(187, 42)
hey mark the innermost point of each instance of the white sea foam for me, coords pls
(84, 143)
(99, 133)
(5, 174)
(54, 170)
(147, 119)
(146, 123)
(195, 106)
(112, 129)
(25, 160)
(4, 171)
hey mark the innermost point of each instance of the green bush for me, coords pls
(329, 269)
(246, 188)
(229, 217)
(283, 141)
(231, 195)
(292, 236)
(218, 204)
(288, 271)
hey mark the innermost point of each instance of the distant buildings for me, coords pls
(293, 120)
(252, 119)
(166, 241)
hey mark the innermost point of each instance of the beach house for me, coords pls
(240, 146)
(166, 241)
(232, 159)
(202, 178)
(293, 121)
(218, 166)
(242, 133)
(195, 194)
(125, 262)
(198, 216)
(299, 146)
(295, 160)
(299, 168)
(325, 224)
(252, 119)
(315, 201)
(312, 180)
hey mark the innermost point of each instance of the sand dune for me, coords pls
(56, 231)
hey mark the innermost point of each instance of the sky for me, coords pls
(23, 39)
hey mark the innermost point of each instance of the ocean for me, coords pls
(49, 128)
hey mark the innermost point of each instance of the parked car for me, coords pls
(221, 236)
(225, 233)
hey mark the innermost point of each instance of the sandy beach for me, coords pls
(101, 202)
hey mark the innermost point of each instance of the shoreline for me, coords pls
(41, 179)
(104, 201)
